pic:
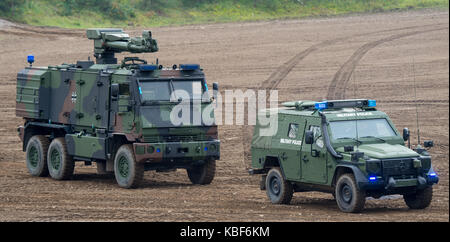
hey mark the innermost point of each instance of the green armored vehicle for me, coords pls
(344, 147)
(117, 115)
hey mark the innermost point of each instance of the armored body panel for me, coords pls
(345, 147)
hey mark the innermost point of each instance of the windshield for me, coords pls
(162, 90)
(366, 128)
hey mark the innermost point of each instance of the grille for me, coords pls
(398, 167)
(175, 138)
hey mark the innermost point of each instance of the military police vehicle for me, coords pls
(344, 147)
(117, 115)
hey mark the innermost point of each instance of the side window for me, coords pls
(293, 131)
(317, 135)
(124, 89)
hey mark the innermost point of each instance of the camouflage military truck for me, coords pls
(344, 147)
(117, 115)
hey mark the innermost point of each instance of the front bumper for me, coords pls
(195, 150)
(395, 183)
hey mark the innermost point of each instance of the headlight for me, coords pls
(373, 167)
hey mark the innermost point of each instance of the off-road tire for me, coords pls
(278, 190)
(348, 197)
(202, 174)
(419, 200)
(36, 155)
(60, 163)
(128, 172)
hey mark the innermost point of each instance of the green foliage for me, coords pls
(101, 13)
(11, 8)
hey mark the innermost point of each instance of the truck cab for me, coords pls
(344, 147)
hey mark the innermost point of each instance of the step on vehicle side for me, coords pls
(344, 147)
(117, 115)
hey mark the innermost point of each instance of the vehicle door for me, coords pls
(314, 156)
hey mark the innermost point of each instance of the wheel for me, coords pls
(36, 153)
(278, 189)
(348, 197)
(60, 163)
(202, 174)
(419, 200)
(128, 172)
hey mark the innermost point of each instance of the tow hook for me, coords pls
(391, 183)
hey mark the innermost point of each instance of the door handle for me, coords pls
(305, 159)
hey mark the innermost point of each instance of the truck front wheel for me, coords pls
(419, 200)
(36, 153)
(348, 197)
(278, 189)
(202, 174)
(128, 172)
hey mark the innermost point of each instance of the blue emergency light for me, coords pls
(372, 103)
(352, 103)
(189, 67)
(321, 105)
(148, 67)
(30, 59)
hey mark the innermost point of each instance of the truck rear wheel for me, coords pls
(60, 163)
(128, 172)
(36, 153)
(278, 189)
(419, 200)
(348, 197)
(202, 174)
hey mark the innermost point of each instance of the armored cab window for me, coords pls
(164, 90)
(293, 131)
(317, 135)
(124, 89)
(155, 90)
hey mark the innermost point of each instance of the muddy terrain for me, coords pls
(375, 56)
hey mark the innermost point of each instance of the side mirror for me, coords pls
(215, 90)
(406, 134)
(309, 137)
(114, 91)
(428, 143)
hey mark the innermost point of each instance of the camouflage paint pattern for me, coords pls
(78, 98)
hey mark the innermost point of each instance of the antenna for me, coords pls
(356, 127)
(356, 112)
(415, 101)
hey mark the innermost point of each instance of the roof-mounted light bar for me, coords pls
(189, 67)
(352, 103)
(148, 67)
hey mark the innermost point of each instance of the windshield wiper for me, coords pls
(371, 136)
(357, 141)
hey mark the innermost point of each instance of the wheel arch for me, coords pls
(347, 168)
(273, 161)
(33, 128)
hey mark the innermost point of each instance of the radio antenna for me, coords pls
(415, 101)
(356, 113)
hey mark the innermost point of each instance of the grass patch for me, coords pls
(148, 13)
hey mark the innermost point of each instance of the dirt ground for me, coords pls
(373, 56)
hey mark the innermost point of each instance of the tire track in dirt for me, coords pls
(280, 74)
(274, 80)
(337, 87)
(7, 27)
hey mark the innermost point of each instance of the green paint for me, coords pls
(317, 166)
